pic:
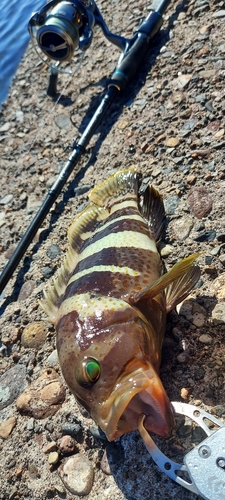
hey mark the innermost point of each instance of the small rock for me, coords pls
(50, 447)
(62, 121)
(5, 127)
(198, 319)
(34, 335)
(105, 464)
(53, 359)
(7, 426)
(218, 287)
(53, 458)
(172, 142)
(77, 474)
(199, 373)
(67, 445)
(206, 236)
(183, 80)
(219, 13)
(71, 429)
(205, 338)
(182, 227)
(12, 383)
(218, 314)
(33, 203)
(43, 397)
(171, 204)
(200, 202)
(30, 424)
(6, 200)
(166, 250)
(182, 357)
(185, 393)
(53, 252)
(26, 290)
(47, 272)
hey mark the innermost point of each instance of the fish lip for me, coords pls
(133, 388)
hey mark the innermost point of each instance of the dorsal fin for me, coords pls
(153, 211)
(122, 183)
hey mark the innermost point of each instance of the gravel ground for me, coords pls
(170, 124)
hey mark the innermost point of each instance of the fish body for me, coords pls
(109, 305)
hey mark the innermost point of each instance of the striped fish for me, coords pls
(109, 305)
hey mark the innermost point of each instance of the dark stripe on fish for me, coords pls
(108, 283)
(118, 227)
(139, 258)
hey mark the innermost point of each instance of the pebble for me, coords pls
(198, 319)
(53, 359)
(7, 426)
(172, 142)
(71, 429)
(218, 314)
(200, 202)
(47, 272)
(206, 236)
(53, 458)
(6, 200)
(199, 373)
(63, 121)
(67, 445)
(79, 190)
(77, 474)
(26, 290)
(219, 13)
(33, 204)
(53, 252)
(171, 204)
(34, 335)
(182, 227)
(43, 397)
(166, 250)
(50, 447)
(218, 287)
(12, 383)
(205, 338)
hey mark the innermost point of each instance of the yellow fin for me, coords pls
(177, 283)
(119, 184)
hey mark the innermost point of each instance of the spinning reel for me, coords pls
(62, 27)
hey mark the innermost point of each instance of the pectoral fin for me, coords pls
(177, 283)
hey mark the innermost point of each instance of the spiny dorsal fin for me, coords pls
(179, 281)
(154, 212)
(121, 183)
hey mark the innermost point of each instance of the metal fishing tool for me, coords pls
(61, 27)
(203, 466)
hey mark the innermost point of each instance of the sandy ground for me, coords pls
(169, 123)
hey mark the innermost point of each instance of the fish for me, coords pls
(109, 304)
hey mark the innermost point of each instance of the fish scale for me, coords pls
(109, 305)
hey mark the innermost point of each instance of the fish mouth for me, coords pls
(138, 393)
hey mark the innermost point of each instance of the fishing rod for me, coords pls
(59, 28)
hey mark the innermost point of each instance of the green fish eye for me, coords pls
(87, 372)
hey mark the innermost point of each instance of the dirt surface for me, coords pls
(170, 124)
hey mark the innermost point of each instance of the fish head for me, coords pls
(112, 372)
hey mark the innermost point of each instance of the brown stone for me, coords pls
(7, 426)
(43, 397)
(34, 335)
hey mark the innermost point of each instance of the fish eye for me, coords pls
(87, 372)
